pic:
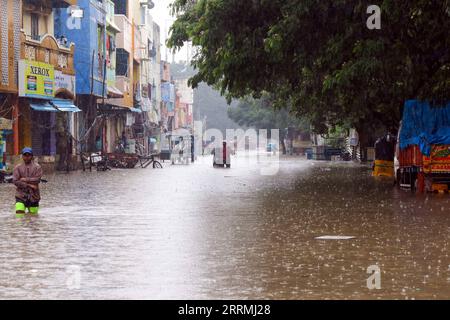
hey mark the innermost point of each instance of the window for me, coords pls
(143, 15)
(34, 26)
(122, 62)
(121, 7)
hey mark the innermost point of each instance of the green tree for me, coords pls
(319, 57)
(259, 114)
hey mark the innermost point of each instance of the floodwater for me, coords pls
(195, 232)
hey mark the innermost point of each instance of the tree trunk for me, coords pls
(283, 145)
(363, 141)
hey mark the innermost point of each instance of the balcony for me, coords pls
(110, 9)
(123, 39)
(123, 83)
(48, 50)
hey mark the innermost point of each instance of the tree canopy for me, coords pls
(318, 56)
(259, 114)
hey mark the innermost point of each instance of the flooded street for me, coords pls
(195, 232)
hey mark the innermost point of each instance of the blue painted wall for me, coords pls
(83, 32)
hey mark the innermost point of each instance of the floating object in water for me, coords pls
(334, 237)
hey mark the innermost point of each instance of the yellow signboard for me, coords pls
(36, 79)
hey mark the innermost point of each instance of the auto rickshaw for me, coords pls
(384, 157)
(221, 155)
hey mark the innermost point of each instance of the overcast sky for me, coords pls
(161, 15)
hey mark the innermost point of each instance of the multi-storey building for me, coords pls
(88, 31)
(10, 25)
(147, 124)
(155, 87)
(37, 82)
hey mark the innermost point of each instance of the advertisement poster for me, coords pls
(36, 79)
(64, 82)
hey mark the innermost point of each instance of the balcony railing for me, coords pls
(48, 50)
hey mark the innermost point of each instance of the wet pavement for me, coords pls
(195, 232)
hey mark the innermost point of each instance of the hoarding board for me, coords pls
(36, 79)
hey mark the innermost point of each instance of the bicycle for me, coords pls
(148, 160)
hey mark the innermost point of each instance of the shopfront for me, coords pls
(6, 127)
(47, 122)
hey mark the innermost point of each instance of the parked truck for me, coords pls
(422, 158)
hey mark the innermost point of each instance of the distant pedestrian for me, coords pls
(26, 178)
(124, 141)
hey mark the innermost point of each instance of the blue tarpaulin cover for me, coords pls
(425, 125)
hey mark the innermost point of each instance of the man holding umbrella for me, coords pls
(26, 178)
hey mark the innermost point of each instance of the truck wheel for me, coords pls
(228, 165)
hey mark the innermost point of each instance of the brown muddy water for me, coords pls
(195, 232)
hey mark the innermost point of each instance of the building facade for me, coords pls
(88, 31)
(81, 76)
(46, 84)
(10, 25)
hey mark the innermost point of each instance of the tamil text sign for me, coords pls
(64, 82)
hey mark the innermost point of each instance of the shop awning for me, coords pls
(42, 106)
(113, 92)
(64, 105)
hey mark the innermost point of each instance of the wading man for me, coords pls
(26, 178)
